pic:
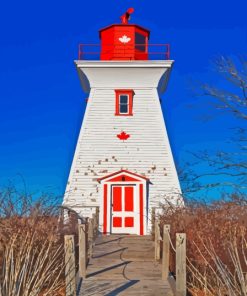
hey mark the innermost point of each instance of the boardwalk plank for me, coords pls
(124, 265)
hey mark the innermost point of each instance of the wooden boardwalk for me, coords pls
(123, 265)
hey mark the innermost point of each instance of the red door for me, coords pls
(124, 209)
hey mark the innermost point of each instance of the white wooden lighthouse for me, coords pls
(123, 162)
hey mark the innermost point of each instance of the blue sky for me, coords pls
(42, 103)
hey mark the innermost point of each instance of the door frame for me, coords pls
(133, 230)
(141, 184)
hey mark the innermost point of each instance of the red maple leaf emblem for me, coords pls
(123, 136)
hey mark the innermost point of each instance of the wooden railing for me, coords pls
(164, 254)
(78, 251)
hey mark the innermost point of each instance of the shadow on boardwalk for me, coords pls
(123, 265)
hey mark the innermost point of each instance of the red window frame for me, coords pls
(130, 94)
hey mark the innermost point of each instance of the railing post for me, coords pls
(157, 239)
(94, 226)
(70, 272)
(165, 251)
(97, 216)
(153, 220)
(181, 264)
(90, 236)
(82, 250)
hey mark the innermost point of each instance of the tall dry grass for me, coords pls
(31, 247)
(216, 245)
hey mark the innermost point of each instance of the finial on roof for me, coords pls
(126, 16)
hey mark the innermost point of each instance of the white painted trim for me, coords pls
(124, 64)
(128, 104)
(145, 205)
(129, 174)
(136, 228)
(130, 75)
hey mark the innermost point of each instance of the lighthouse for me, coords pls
(123, 163)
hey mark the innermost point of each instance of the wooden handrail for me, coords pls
(87, 233)
(180, 250)
(66, 208)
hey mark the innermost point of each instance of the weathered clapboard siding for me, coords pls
(99, 152)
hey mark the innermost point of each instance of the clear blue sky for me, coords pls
(42, 103)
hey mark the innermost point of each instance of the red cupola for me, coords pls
(124, 41)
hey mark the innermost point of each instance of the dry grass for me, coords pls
(31, 253)
(216, 245)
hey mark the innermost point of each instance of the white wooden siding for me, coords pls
(99, 152)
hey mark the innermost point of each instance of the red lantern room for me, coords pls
(124, 41)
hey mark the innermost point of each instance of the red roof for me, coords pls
(122, 171)
(121, 25)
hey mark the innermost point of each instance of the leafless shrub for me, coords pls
(30, 268)
(216, 277)
(31, 252)
(216, 245)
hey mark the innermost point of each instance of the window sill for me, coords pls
(118, 114)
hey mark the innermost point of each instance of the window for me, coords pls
(124, 102)
(140, 42)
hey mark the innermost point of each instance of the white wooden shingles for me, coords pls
(99, 152)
